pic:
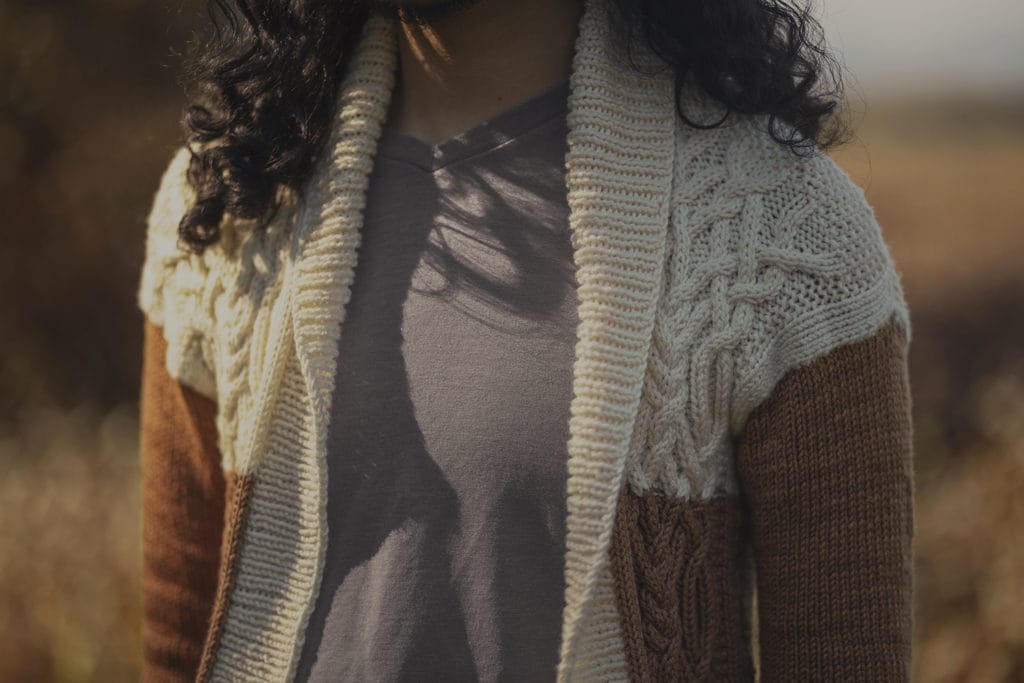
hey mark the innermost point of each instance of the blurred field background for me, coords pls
(88, 119)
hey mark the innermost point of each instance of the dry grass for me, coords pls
(70, 530)
(945, 178)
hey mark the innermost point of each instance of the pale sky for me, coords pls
(928, 45)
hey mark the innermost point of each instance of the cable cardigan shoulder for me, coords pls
(173, 289)
(773, 260)
(207, 304)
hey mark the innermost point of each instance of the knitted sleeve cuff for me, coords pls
(173, 289)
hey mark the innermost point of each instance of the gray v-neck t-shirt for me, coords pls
(449, 425)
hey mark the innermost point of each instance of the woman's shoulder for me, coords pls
(171, 281)
(785, 242)
(202, 301)
(744, 158)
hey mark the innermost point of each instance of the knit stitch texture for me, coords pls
(710, 263)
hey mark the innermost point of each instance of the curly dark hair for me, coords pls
(263, 86)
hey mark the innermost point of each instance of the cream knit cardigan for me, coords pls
(709, 262)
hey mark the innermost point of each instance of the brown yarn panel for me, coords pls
(239, 496)
(679, 574)
(183, 495)
(826, 470)
(826, 509)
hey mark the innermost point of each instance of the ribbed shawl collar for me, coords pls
(619, 170)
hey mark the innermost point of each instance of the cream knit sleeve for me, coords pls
(174, 288)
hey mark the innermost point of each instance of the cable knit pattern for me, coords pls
(772, 261)
(207, 304)
(174, 286)
(682, 576)
(709, 262)
(282, 358)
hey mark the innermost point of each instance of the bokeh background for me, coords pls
(89, 115)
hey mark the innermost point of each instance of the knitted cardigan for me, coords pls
(740, 414)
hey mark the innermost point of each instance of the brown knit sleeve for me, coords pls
(826, 472)
(183, 491)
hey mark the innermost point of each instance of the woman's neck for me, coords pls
(465, 68)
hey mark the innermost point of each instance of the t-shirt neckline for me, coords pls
(482, 136)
